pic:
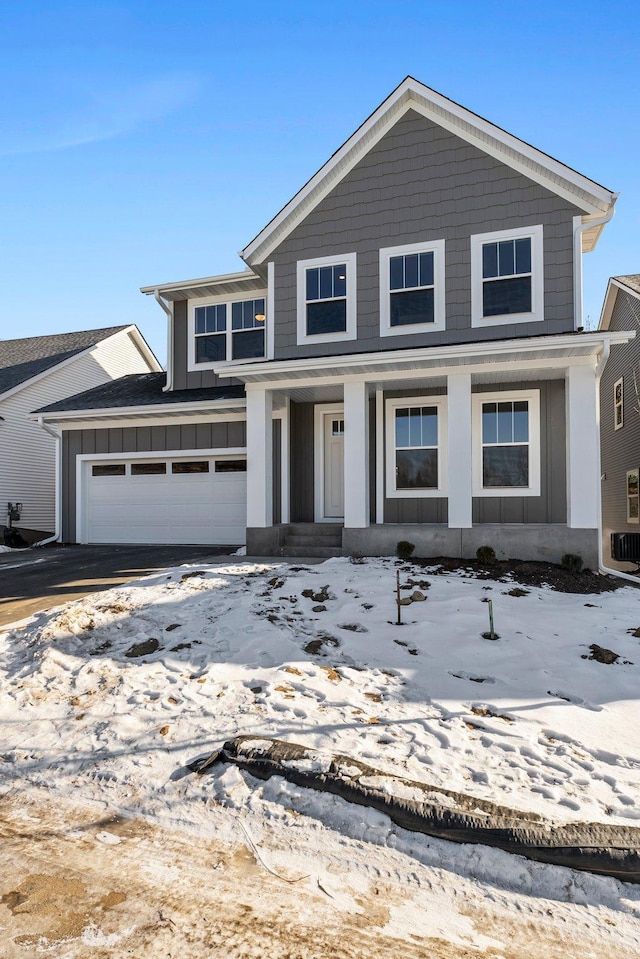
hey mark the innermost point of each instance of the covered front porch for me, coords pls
(335, 452)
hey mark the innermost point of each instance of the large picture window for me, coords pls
(507, 277)
(327, 299)
(415, 447)
(227, 331)
(412, 288)
(506, 443)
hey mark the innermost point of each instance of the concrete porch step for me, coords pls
(304, 529)
(314, 539)
(322, 552)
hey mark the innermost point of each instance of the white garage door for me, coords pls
(200, 500)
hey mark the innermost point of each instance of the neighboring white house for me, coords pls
(44, 369)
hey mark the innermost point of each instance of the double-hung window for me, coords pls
(223, 331)
(415, 454)
(618, 404)
(507, 277)
(506, 441)
(412, 288)
(633, 513)
(326, 299)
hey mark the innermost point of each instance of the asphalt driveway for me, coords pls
(33, 580)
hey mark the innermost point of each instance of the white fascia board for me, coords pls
(128, 411)
(132, 331)
(594, 341)
(412, 95)
(201, 281)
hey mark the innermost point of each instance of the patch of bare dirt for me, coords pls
(526, 572)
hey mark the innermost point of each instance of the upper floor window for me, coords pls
(506, 443)
(618, 404)
(225, 331)
(412, 288)
(507, 283)
(327, 299)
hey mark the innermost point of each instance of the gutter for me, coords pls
(58, 485)
(579, 229)
(169, 311)
(602, 362)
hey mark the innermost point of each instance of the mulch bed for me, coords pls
(526, 572)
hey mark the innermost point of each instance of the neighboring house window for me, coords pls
(618, 404)
(506, 443)
(507, 280)
(416, 427)
(227, 331)
(327, 299)
(633, 513)
(412, 288)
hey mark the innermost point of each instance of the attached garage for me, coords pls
(162, 498)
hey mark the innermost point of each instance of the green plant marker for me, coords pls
(399, 620)
(492, 633)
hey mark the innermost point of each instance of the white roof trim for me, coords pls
(222, 278)
(593, 342)
(610, 300)
(150, 409)
(412, 95)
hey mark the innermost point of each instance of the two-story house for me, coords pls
(402, 359)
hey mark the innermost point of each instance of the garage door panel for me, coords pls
(190, 508)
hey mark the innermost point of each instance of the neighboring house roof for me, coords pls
(587, 195)
(630, 283)
(21, 360)
(139, 390)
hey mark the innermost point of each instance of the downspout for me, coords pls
(602, 362)
(579, 227)
(168, 310)
(58, 485)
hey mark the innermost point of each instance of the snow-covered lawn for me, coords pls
(106, 700)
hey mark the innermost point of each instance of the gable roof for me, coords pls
(630, 283)
(589, 196)
(21, 360)
(139, 390)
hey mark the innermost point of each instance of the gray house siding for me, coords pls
(422, 183)
(551, 505)
(184, 379)
(620, 449)
(137, 439)
(548, 508)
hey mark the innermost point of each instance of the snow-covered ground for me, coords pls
(107, 699)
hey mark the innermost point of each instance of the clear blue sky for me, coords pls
(145, 141)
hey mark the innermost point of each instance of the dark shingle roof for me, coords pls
(632, 280)
(139, 389)
(20, 360)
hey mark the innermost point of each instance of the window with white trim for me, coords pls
(412, 288)
(326, 299)
(618, 404)
(507, 282)
(633, 513)
(226, 330)
(506, 443)
(415, 431)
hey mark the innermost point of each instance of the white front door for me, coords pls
(333, 478)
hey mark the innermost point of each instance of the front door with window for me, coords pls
(333, 478)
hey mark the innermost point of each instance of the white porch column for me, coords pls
(285, 465)
(259, 458)
(583, 447)
(459, 450)
(356, 455)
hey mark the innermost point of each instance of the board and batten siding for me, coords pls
(549, 507)
(27, 464)
(139, 439)
(620, 449)
(422, 183)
